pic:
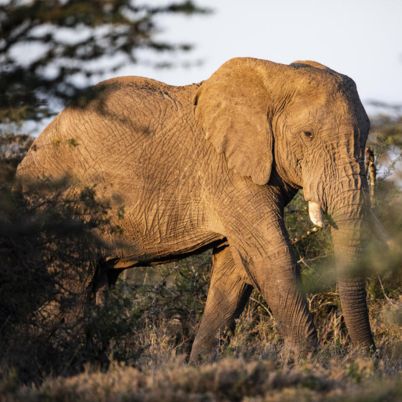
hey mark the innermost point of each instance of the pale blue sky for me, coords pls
(361, 38)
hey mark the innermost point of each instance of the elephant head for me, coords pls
(304, 123)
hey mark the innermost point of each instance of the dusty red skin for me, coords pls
(194, 166)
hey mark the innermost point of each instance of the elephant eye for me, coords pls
(308, 134)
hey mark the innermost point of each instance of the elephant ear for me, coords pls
(232, 108)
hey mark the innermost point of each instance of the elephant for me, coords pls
(212, 165)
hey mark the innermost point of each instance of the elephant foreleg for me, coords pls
(227, 295)
(277, 277)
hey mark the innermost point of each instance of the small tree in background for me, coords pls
(49, 50)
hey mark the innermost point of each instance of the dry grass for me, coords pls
(345, 379)
(149, 362)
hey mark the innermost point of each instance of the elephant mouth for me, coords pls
(315, 214)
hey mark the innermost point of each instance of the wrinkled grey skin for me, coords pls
(194, 166)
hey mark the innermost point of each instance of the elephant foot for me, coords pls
(203, 352)
(293, 352)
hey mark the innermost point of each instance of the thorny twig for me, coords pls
(371, 173)
(265, 308)
(310, 232)
(383, 290)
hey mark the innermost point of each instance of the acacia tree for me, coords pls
(49, 50)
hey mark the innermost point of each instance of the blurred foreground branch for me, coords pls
(49, 50)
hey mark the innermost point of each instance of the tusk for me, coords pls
(314, 211)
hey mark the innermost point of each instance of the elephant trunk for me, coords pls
(348, 211)
(351, 284)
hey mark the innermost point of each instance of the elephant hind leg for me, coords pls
(227, 296)
(105, 276)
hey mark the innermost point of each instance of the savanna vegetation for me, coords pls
(56, 344)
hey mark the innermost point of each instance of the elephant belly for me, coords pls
(166, 229)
